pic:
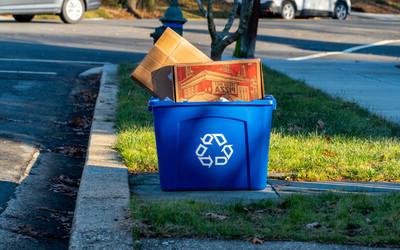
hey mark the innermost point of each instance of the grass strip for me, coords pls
(348, 219)
(314, 137)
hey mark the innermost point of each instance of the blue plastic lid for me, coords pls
(267, 101)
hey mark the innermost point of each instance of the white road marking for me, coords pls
(349, 50)
(49, 61)
(27, 72)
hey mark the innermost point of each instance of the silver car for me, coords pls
(289, 9)
(70, 11)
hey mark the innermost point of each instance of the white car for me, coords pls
(289, 9)
(70, 11)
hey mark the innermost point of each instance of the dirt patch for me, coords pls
(119, 13)
(376, 6)
(189, 8)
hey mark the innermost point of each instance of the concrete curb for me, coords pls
(207, 244)
(102, 214)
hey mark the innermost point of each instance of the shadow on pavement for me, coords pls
(33, 47)
(52, 113)
(7, 190)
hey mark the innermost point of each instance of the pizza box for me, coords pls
(207, 82)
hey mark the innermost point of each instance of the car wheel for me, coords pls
(72, 11)
(288, 10)
(341, 11)
(23, 18)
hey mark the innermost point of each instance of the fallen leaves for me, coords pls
(328, 153)
(320, 124)
(256, 240)
(80, 122)
(29, 230)
(313, 225)
(215, 216)
(74, 151)
(63, 218)
(65, 186)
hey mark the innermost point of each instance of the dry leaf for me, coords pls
(256, 240)
(321, 124)
(215, 216)
(261, 211)
(74, 151)
(313, 225)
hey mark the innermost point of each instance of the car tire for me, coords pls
(288, 10)
(72, 11)
(341, 11)
(23, 18)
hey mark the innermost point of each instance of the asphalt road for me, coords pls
(41, 151)
(127, 41)
(39, 64)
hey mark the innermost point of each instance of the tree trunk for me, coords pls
(132, 8)
(251, 33)
(146, 4)
(216, 53)
(221, 40)
(246, 44)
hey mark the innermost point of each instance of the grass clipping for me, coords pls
(315, 137)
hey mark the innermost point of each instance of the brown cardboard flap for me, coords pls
(155, 71)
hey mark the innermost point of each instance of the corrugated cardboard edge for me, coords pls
(168, 32)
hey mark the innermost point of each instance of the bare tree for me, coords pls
(131, 5)
(246, 44)
(134, 6)
(222, 39)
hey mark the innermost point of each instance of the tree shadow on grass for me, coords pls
(314, 136)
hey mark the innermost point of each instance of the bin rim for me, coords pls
(267, 101)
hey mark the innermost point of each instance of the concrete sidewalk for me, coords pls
(374, 86)
(207, 244)
(147, 187)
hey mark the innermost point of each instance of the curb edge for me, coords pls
(102, 211)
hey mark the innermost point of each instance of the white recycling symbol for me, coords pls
(207, 160)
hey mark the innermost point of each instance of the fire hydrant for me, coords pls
(173, 18)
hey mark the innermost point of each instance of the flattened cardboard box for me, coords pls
(153, 72)
(207, 82)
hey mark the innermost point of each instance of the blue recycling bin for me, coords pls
(213, 145)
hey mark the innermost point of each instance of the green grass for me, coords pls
(350, 219)
(317, 137)
(135, 141)
(314, 136)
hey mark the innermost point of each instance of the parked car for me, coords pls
(289, 9)
(70, 11)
